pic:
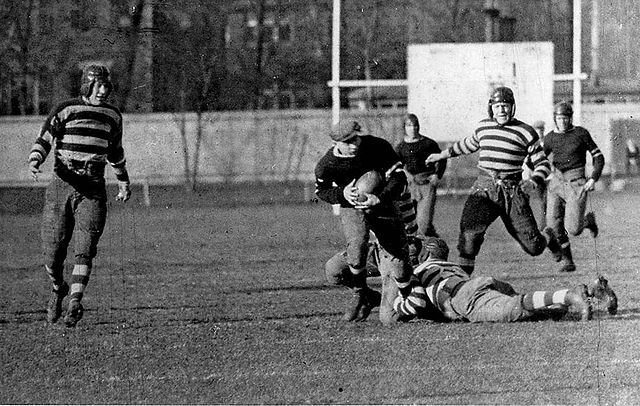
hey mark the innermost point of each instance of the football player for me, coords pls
(423, 179)
(85, 134)
(352, 155)
(446, 293)
(568, 145)
(503, 143)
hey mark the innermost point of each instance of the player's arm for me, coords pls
(396, 183)
(116, 158)
(540, 163)
(411, 305)
(392, 167)
(44, 142)
(327, 189)
(464, 146)
(597, 158)
(441, 165)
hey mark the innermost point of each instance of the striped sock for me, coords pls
(359, 278)
(79, 281)
(407, 212)
(467, 264)
(542, 299)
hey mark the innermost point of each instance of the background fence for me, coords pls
(267, 146)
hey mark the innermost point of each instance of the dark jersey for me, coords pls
(413, 155)
(570, 149)
(333, 172)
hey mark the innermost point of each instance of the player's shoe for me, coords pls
(373, 299)
(578, 298)
(74, 313)
(54, 306)
(601, 291)
(552, 244)
(568, 268)
(591, 224)
(354, 306)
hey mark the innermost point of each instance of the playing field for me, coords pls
(192, 301)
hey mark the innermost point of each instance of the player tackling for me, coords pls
(446, 293)
(85, 134)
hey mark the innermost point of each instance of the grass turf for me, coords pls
(198, 303)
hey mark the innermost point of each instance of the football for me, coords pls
(370, 182)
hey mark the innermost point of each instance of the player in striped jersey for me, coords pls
(503, 143)
(446, 293)
(568, 189)
(85, 134)
(348, 159)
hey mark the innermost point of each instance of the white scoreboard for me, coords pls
(449, 84)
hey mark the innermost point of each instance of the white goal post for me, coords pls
(336, 84)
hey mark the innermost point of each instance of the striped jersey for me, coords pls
(86, 138)
(438, 280)
(570, 149)
(503, 148)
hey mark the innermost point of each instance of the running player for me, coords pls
(568, 145)
(352, 155)
(422, 178)
(503, 143)
(87, 134)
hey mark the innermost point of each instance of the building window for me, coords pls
(273, 29)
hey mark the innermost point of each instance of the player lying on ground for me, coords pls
(445, 292)
(496, 300)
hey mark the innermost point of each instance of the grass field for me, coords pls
(200, 302)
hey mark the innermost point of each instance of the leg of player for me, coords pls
(477, 215)
(56, 233)
(356, 233)
(555, 218)
(521, 224)
(90, 221)
(429, 209)
(578, 298)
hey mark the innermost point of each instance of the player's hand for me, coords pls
(433, 180)
(124, 192)
(34, 168)
(372, 200)
(590, 185)
(350, 193)
(433, 158)
(528, 185)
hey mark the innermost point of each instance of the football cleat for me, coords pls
(74, 313)
(578, 299)
(601, 291)
(355, 304)
(568, 268)
(372, 299)
(54, 307)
